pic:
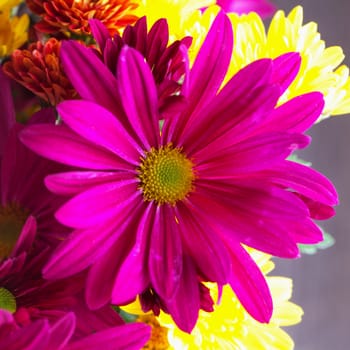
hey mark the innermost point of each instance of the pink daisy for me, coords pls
(162, 209)
(41, 335)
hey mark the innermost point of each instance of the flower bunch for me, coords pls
(147, 175)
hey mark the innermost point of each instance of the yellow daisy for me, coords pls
(13, 30)
(320, 70)
(230, 326)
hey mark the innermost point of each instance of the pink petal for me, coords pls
(60, 144)
(263, 7)
(249, 284)
(207, 73)
(25, 241)
(139, 96)
(78, 251)
(304, 180)
(184, 307)
(242, 97)
(285, 69)
(122, 266)
(297, 115)
(126, 337)
(33, 336)
(62, 331)
(7, 119)
(211, 63)
(73, 182)
(203, 244)
(257, 231)
(253, 154)
(132, 277)
(89, 76)
(101, 127)
(99, 32)
(99, 204)
(165, 253)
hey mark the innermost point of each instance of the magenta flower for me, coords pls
(167, 62)
(263, 7)
(41, 335)
(163, 209)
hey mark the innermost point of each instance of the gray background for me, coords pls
(322, 282)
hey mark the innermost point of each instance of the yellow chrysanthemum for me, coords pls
(230, 326)
(13, 30)
(319, 70)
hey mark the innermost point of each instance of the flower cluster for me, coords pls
(147, 175)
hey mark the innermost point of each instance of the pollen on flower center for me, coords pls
(12, 218)
(7, 300)
(159, 334)
(166, 175)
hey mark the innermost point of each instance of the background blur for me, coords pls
(322, 281)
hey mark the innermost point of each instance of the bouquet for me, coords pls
(148, 173)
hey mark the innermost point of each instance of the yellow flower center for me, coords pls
(159, 334)
(166, 175)
(7, 300)
(12, 218)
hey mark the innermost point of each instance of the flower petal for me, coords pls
(187, 295)
(99, 32)
(165, 253)
(7, 119)
(257, 231)
(89, 76)
(130, 276)
(74, 182)
(304, 180)
(203, 244)
(249, 285)
(99, 204)
(62, 331)
(59, 143)
(206, 75)
(131, 336)
(101, 127)
(251, 155)
(297, 115)
(77, 252)
(210, 67)
(285, 69)
(139, 96)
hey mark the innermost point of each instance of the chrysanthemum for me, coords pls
(39, 69)
(74, 15)
(167, 62)
(166, 208)
(13, 32)
(319, 71)
(230, 326)
(60, 335)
